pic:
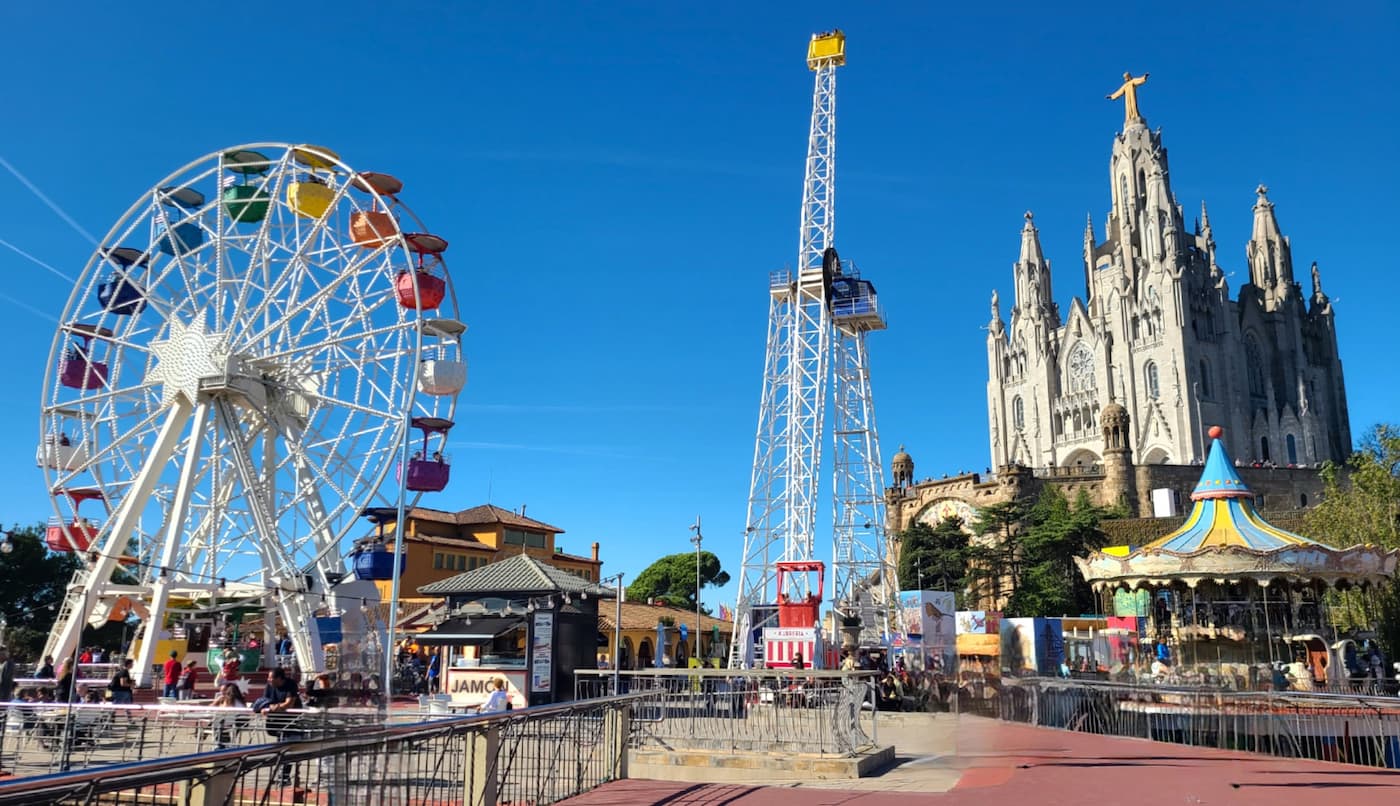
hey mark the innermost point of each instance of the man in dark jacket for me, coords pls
(7, 676)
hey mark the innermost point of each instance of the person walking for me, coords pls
(120, 686)
(7, 676)
(188, 678)
(434, 673)
(172, 676)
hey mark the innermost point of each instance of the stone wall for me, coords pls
(1278, 488)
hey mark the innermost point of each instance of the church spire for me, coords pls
(1270, 262)
(996, 328)
(1320, 302)
(1090, 242)
(1207, 237)
(1033, 296)
(1030, 242)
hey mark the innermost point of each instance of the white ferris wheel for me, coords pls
(234, 380)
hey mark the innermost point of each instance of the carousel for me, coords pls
(1236, 600)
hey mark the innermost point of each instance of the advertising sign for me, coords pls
(470, 686)
(926, 619)
(1032, 646)
(979, 622)
(542, 652)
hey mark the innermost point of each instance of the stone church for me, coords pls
(1115, 398)
(1157, 333)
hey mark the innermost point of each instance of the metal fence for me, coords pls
(41, 738)
(811, 712)
(538, 755)
(1348, 728)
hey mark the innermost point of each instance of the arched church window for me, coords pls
(1149, 377)
(1254, 365)
(1263, 449)
(1018, 413)
(1081, 369)
(1292, 447)
(1205, 379)
(1123, 189)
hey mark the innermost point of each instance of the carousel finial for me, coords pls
(1216, 432)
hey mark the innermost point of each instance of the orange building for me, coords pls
(444, 544)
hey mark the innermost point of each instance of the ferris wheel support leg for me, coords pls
(128, 514)
(174, 530)
(291, 594)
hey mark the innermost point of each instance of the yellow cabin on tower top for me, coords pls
(826, 47)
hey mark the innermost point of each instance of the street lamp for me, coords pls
(697, 540)
(8, 544)
(617, 632)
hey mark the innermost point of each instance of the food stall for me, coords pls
(517, 619)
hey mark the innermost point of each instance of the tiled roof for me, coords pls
(520, 573)
(390, 535)
(642, 616)
(559, 555)
(486, 513)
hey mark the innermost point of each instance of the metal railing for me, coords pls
(538, 755)
(815, 712)
(42, 738)
(1350, 728)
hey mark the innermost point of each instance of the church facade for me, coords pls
(1158, 334)
(1114, 399)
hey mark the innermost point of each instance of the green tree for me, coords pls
(32, 584)
(671, 579)
(1049, 583)
(934, 557)
(1361, 504)
(997, 561)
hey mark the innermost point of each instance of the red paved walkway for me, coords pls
(1016, 764)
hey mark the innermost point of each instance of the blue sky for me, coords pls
(618, 179)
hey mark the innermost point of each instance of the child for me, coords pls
(187, 680)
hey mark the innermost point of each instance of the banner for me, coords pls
(542, 652)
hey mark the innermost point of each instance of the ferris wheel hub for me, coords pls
(186, 357)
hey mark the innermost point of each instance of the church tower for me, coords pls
(1158, 337)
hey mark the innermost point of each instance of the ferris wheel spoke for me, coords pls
(304, 305)
(258, 257)
(338, 341)
(107, 395)
(299, 259)
(269, 546)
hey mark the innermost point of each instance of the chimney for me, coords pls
(595, 551)
(522, 510)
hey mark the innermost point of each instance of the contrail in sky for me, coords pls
(35, 260)
(46, 200)
(29, 308)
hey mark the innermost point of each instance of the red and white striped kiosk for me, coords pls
(797, 633)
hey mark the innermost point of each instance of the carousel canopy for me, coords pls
(1224, 538)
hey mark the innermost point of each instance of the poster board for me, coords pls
(542, 653)
(468, 687)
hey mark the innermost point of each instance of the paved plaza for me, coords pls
(952, 761)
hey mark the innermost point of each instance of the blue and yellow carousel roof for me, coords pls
(1224, 513)
(1225, 539)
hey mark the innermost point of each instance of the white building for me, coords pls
(1158, 333)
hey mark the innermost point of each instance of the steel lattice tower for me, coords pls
(804, 336)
